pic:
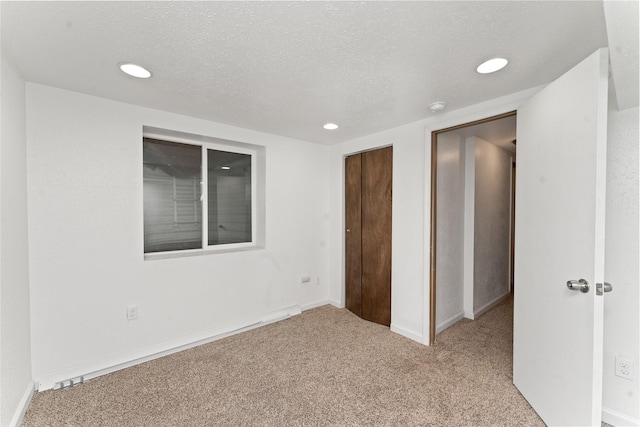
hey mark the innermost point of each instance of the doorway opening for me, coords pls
(472, 217)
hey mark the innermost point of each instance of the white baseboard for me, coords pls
(407, 334)
(449, 322)
(398, 330)
(116, 363)
(315, 305)
(618, 419)
(338, 304)
(488, 306)
(23, 405)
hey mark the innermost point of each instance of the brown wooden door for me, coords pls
(368, 183)
(353, 234)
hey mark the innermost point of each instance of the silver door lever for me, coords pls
(602, 288)
(578, 285)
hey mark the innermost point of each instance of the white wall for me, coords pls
(84, 157)
(469, 223)
(450, 199)
(16, 384)
(621, 319)
(492, 217)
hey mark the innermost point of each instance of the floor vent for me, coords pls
(69, 383)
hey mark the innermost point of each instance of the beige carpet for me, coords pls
(323, 367)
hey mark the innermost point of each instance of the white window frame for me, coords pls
(218, 145)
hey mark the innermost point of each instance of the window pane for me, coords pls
(229, 194)
(172, 208)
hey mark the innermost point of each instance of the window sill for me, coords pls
(241, 247)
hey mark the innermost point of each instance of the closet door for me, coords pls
(368, 183)
(376, 235)
(353, 234)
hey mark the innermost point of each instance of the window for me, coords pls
(229, 201)
(186, 209)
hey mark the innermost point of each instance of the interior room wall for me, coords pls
(84, 157)
(492, 217)
(469, 223)
(621, 397)
(16, 384)
(450, 202)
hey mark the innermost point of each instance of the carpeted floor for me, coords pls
(325, 367)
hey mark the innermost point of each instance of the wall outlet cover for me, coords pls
(132, 312)
(624, 368)
(305, 278)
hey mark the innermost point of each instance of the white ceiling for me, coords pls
(288, 67)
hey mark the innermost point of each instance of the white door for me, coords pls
(557, 351)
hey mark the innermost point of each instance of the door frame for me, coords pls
(433, 210)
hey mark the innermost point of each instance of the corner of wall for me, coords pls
(469, 222)
(15, 339)
(418, 337)
(620, 402)
(21, 410)
(618, 419)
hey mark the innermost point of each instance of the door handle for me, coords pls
(601, 288)
(578, 285)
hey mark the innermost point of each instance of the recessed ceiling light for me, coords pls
(135, 71)
(226, 168)
(437, 106)
(492, 65)
(331, 126)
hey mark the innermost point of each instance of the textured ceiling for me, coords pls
(288, 67)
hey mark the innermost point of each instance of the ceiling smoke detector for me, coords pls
(437, 106)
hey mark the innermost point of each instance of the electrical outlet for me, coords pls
(305, 279)
(624, 368)
(317, 280)
(132, 312)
